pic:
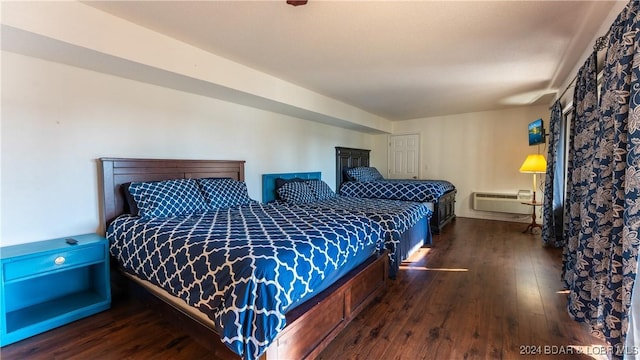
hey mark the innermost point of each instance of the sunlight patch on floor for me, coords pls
(417, 256)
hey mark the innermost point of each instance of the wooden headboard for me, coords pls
(348, 158)
(115, 172)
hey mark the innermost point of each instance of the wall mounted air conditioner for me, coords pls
(502, 202)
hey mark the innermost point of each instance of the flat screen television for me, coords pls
(536, 132)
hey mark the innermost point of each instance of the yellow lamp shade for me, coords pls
(534, 163)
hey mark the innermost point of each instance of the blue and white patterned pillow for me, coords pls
(167, 198)
(321, 189)
(364, 173)
(297, 193)
(224, 193)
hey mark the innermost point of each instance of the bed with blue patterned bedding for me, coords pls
(407, 190)
(396, 219)
(246, 266)
(367, 182)
(406, 224)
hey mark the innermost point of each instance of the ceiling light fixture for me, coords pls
(297, 2)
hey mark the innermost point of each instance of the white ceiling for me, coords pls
(397, 59)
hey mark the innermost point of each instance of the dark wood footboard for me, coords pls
(313, 325)
(310, 327)
(444, 211)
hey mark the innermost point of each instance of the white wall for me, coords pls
(57, 120)
(112, 45)
(479, 151)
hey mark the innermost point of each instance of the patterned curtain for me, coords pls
(581, 140)
(552, 205)
(604, 187)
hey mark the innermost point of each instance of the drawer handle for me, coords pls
(59, 260)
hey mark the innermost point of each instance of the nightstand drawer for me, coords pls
(32, 265)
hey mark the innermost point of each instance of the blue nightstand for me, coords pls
(50, 283)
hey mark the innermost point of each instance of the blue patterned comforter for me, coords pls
(407, 190)
(244, 267)
(395, 217)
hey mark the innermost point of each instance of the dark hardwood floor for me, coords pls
(483, 290)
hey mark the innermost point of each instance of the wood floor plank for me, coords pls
(483, 290)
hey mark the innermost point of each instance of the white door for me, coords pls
(404, 156)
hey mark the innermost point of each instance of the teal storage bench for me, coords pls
(50, 283)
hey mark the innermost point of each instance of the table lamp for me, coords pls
(535, 164)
